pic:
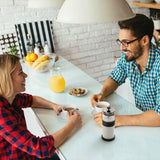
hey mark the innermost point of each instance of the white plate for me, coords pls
(86, 91)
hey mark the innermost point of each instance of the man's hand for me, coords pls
(98, 118)
(148, 118)
(109, 87)
(95, 98)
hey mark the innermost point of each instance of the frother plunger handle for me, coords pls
(108, 109)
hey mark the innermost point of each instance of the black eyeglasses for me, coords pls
(125, 44)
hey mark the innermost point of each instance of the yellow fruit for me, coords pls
(28, 58)
(35, 64)
(33, 57)
(43, 58)
(40, 65)
(57, 84)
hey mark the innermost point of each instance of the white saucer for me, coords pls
(62, 117)
(93, 112)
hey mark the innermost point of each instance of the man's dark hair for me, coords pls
(140, 26)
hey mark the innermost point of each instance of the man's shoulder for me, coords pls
(157, 55)
(155, 50)
(157, 60)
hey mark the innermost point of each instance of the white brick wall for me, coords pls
(90, 47)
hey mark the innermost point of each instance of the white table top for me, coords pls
(131, 143)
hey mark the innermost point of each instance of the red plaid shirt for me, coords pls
(16, 142)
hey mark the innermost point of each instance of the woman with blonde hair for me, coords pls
(16, 142)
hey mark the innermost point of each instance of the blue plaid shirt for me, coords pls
(145, 86)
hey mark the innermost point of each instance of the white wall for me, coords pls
(90, 47)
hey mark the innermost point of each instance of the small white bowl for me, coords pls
(100, 105)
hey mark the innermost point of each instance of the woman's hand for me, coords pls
(40, 102)
(57, 108)
(74, 119)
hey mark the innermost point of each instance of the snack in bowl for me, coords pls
(77, 91)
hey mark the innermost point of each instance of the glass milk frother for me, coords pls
(108, 124)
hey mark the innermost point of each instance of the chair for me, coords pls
(40, 31)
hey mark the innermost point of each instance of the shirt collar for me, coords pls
(5, 101)
(152, 55)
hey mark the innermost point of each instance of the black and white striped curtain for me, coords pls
(39, 31)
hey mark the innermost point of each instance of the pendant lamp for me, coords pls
(45, 3)
(94, 11)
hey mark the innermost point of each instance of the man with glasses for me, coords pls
(140, 63)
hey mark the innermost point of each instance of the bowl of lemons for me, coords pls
(39, 63)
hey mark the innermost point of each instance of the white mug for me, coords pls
(100, 105)
(67, 109)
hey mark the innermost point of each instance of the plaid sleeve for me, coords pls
(119, 73)
(16, 134)
(23, 100)
(157, 107)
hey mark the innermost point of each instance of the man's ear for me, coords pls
(145, 40)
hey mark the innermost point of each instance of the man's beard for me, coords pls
(137, 53)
